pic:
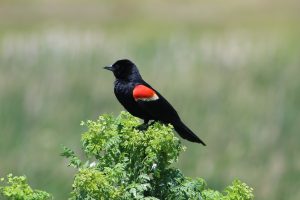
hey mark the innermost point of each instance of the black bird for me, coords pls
(144, 102)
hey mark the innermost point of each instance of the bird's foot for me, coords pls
(142, 127)
(151, 123)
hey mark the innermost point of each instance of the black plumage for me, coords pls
(143, 101)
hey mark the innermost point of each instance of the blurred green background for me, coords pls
(230, 68)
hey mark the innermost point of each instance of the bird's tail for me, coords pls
(186, 133)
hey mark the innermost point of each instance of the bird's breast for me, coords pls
(123, 92)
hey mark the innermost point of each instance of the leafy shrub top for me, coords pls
(124, 163)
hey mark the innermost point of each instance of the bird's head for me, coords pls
(124, 69)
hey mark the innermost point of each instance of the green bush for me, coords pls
(16, 188)
(125, 163)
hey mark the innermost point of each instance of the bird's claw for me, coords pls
(142, 127)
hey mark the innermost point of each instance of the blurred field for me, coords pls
(231, 70)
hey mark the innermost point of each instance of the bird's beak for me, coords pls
(108, 68)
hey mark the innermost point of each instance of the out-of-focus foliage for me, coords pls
(125, 163)
(17, 188)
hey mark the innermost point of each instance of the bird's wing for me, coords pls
(150, 101)
(144, 93)
(154, 103)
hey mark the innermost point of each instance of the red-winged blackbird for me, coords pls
(142, 101)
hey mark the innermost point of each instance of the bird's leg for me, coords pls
(143, 126)
(151, 123)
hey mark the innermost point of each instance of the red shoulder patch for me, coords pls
(142, 92)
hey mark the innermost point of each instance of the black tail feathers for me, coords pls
(186, 133)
